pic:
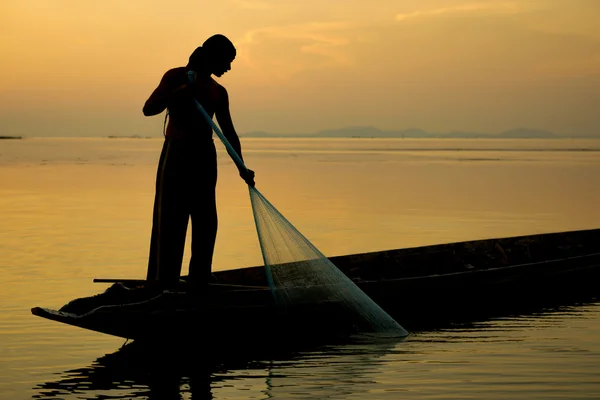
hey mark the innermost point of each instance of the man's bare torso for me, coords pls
(185, 120)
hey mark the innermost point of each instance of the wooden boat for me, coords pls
(419, 287)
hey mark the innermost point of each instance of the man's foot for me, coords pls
(193, 283)
(161, 286)
(212, 278)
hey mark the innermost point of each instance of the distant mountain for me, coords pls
(129, 137)
(372, 132)
(528, 133)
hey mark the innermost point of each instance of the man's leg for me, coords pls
(170, 219)
(204, 235)
(204, 216)
(152, 273)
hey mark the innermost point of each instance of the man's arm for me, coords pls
(163, 94)
(226, 124)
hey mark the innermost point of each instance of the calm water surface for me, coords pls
(72, 210)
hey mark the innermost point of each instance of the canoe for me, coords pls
(419, 287)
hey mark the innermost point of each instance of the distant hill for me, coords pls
(129, 137)
(372, 132)
(528, 133)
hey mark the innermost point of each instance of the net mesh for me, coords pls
(298, 273)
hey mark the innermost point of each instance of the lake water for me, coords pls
(72, 210)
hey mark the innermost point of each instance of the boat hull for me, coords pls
(420, 287)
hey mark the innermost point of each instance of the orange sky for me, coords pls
(76, 68)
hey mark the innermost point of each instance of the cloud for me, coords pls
(287, 50)
(466, 8)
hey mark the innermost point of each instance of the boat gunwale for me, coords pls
(478, 271)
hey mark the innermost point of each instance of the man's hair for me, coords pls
(219, 45)
(216, 46)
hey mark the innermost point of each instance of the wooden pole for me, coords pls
(143, 281)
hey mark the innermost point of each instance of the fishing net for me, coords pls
(298, 273)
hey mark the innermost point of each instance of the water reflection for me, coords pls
(137, 370)
(134, 371)
(353, 367)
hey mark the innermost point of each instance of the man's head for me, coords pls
(214, 56)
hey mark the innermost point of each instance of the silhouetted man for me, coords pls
(187, 170)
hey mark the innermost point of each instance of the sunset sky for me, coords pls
(85, 68)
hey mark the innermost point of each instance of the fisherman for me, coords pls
(187, 169)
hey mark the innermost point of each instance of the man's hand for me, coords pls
(248, 176)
